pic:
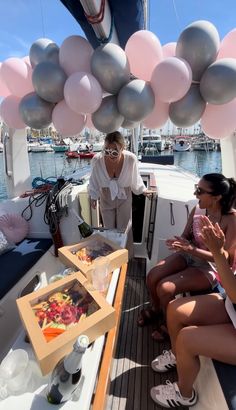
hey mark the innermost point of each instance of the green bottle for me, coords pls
(84, 228)
(67, 373)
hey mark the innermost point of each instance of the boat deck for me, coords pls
(131, 376)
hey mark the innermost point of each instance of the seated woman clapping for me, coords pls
(203, 325)
(187, 268)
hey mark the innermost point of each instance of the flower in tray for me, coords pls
(68, 314)
(87, 254)
(62, 310)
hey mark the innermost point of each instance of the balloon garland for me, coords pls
(75, 86)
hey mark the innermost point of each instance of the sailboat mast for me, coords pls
(138, 132)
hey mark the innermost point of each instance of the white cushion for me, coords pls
(14, 227)
(5, 246)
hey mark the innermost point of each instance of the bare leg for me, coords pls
(195, 324)
(215, 341)
(190, 279)
(193, 311)
(166, 267)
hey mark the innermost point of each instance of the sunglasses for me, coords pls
(111, 152)
(201, 191)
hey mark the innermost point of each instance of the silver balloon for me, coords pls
(48, 81)
(107, 118)
(218, 83)
(136, 100)
(129, 124)
(198, 44)
(187, 111)
(43, 49)
(110, 66)
(35, 112)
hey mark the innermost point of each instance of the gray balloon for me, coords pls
(110, 66)
(218, 83)
(187, 111)
(129, 124)
(107, 117)
(35, 112)
(198, 44)
(48, 81)
(44, 49)
(136, 100)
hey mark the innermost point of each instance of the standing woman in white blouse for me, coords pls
(114, 177)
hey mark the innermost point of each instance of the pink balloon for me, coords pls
(169, 50)
(75, 54)
(158, 116)
(219, 121)
(15, 74)
(144, 52)
(9, 111)
(66, 121)
(83, 93)
(89, 122)
(171, 79)
(26, 59)
(4, 92)
(228, 46)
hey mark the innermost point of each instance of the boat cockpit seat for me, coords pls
(226, 374)
(17, 262)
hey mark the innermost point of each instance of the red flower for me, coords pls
(68, 314)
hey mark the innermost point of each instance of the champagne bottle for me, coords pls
(84, 228)
(67, 373)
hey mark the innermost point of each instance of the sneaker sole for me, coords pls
(167, 369)
(171, 406)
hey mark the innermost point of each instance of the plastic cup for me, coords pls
(16, 372)
(100, 272)
(61, 275)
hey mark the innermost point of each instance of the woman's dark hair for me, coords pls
(220, 185)
(115, 137)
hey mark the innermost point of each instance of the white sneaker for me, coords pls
(164, 362)
(168, 395)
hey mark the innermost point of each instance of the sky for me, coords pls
(24, 21)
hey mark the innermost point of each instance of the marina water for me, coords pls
(50, 164)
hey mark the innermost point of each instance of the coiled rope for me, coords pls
(40, 182)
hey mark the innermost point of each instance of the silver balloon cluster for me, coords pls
(198, 44)
(214, 81)
(127, 100)
(131, 101)
(48, 79)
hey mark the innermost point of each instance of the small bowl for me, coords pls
(15, 371)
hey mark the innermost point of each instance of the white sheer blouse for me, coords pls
(129, 177)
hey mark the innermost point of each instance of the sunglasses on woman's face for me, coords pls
(201, 191)
(111, 152)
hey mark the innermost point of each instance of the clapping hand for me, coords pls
(212, 235)
(178, 243)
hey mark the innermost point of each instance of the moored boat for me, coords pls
(82, 155)
(37, 147)
(181, 144)
(60, 148)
